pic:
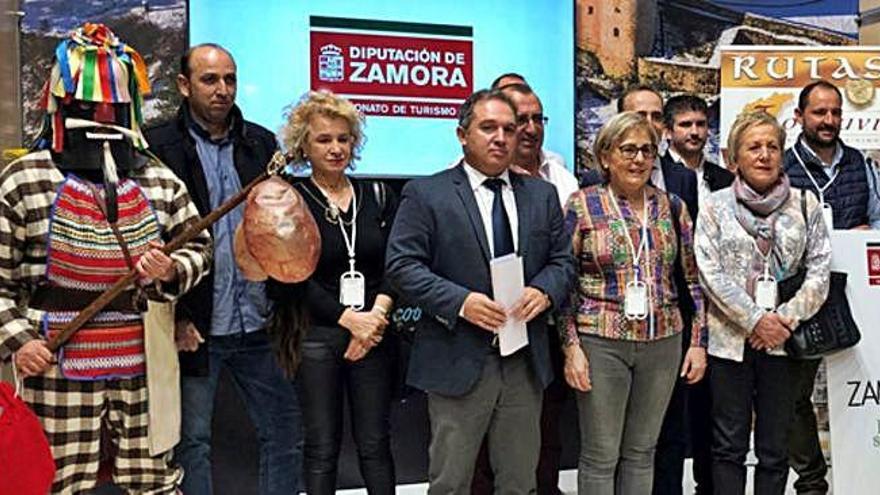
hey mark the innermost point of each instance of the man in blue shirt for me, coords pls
(223, 322)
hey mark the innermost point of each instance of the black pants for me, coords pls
(804, 452)
(761, 383)
(323, 377)
(687, 423)
(547, 472)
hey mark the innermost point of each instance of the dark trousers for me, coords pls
(324, 377)
(761, 383)
(547, 473)
(804, 452)
(688, 417)
(699, 401)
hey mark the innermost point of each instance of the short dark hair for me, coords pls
(635, 89)
(466, 111)
(523, 89)
(518, 88)
(184, 59)
(683, 103)
(502, 76)
(804, 97)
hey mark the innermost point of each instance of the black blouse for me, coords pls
(373, 226)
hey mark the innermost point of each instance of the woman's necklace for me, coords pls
(332, 211)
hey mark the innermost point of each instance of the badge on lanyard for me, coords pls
(828, 215)
(766, 292)
(635, 295)
(765, 285)
(352, 290)
(352, 285)
(635, 300)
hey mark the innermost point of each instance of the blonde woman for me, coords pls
(749, 237)
(348, 301)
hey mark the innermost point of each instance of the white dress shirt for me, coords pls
(657, 175)
(702, 187)
(553, 170)
(485, 197)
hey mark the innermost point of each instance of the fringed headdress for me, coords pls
(93, 65)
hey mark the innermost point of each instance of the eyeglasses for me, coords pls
(630, 151)
(538, 119)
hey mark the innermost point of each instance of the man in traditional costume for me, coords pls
(74, 219)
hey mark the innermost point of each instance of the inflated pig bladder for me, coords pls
(278, 236)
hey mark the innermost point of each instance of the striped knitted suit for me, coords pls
(73, 411)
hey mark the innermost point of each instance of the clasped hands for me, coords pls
(771, 331)
(489, 315)
(367, 329)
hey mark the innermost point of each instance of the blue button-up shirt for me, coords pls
(239, 305)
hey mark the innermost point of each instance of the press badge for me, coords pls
(352, 290)
(765, 292)
(635, 300)
(828, 215)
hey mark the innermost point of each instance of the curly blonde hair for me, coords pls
(296, 130)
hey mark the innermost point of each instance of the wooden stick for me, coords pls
(277, 162)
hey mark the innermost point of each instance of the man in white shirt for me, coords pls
(448, 228)
(689, 410)
(529, 157)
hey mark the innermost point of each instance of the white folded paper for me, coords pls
(507, 286)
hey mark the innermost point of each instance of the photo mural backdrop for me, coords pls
(156, 28)
(674, 45)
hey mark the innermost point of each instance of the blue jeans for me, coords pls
(272, 405)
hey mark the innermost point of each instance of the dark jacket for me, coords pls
(173, 144)
(438, 253)
(717, 177)
(848, 195)
(714, 176)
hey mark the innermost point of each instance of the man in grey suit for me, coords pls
(448, 228)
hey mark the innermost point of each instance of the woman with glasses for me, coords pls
(749, 236)
(622, 330)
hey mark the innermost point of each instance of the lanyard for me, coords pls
(820, 190)
(349, 241)
(765, 257)
(643, 242)
(637, 284)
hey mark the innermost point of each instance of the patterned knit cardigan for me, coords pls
(27, 190)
